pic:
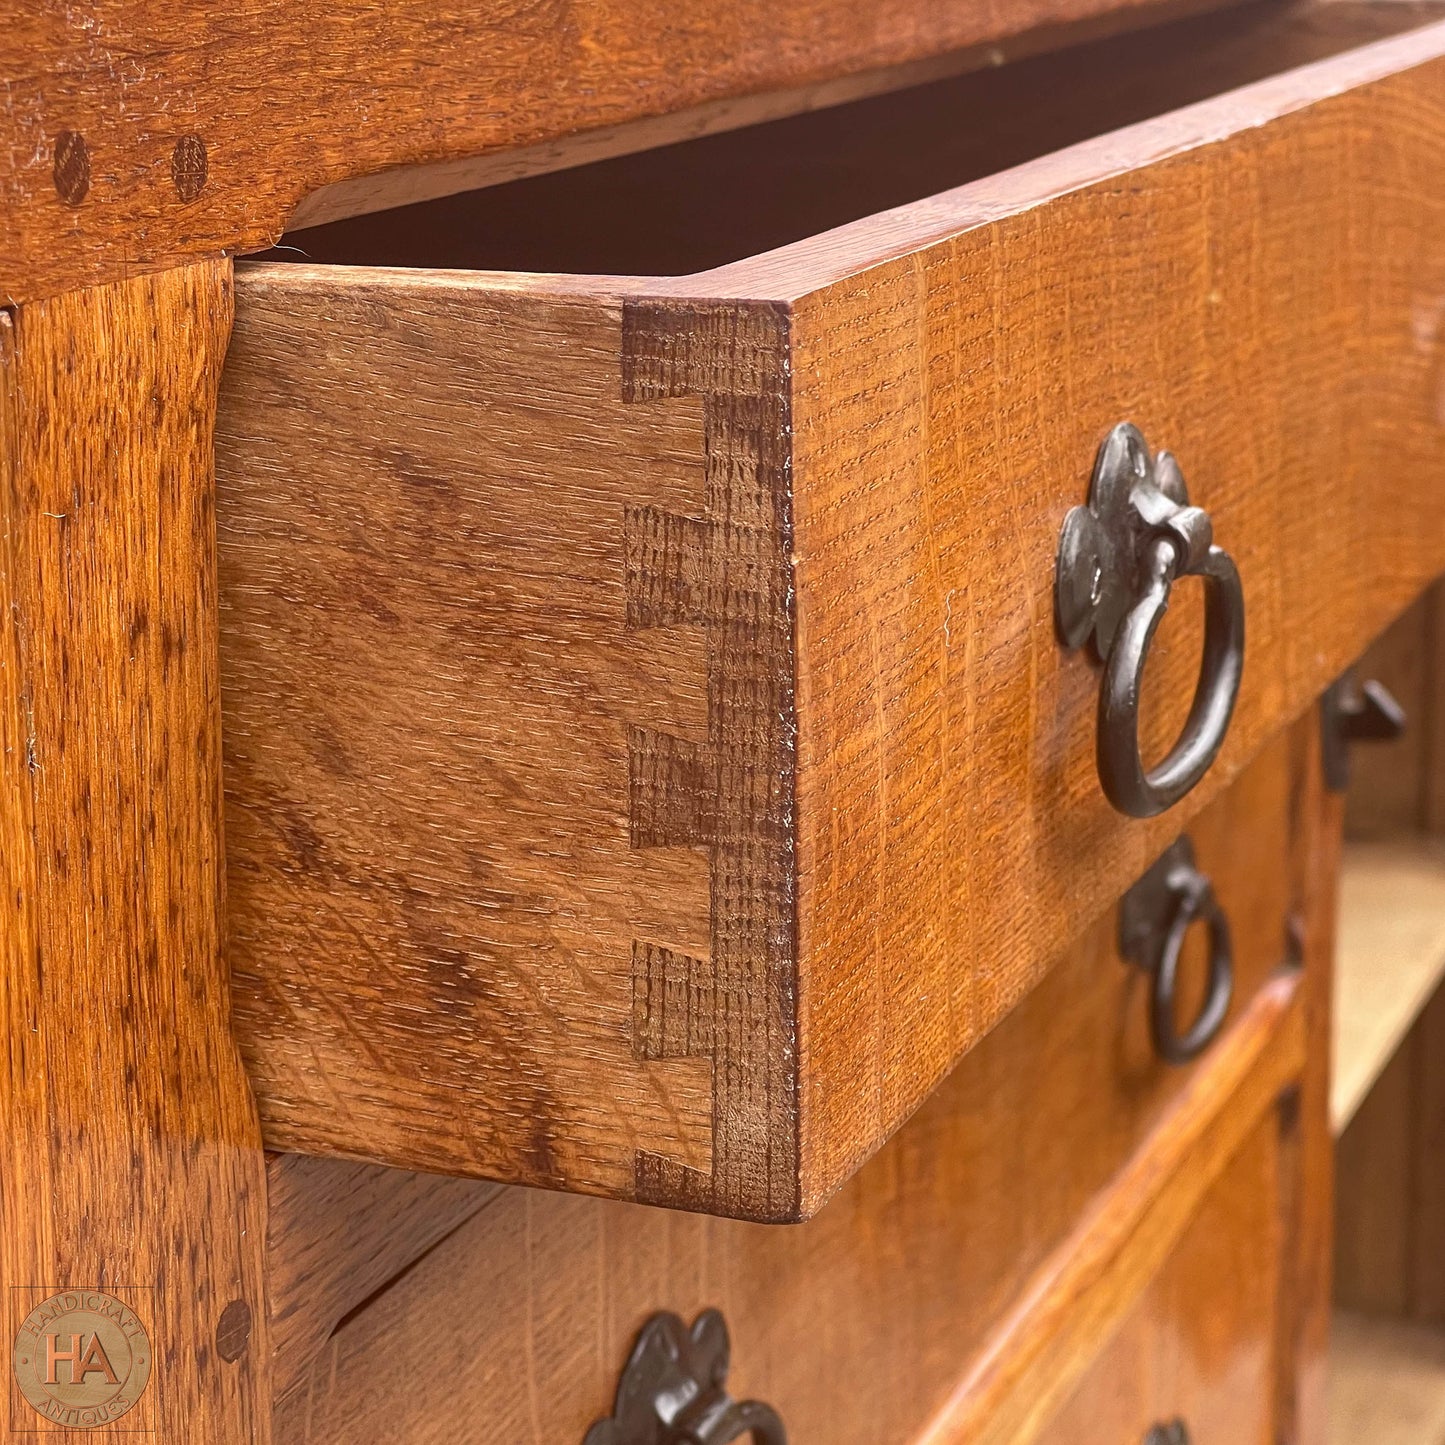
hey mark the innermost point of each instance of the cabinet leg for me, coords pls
(132, 1185)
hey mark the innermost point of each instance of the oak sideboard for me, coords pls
(676, 702)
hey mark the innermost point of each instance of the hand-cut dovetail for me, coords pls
(72, 167)
(674, 1003)
(189, 167)
(728, 572)
(672, 798)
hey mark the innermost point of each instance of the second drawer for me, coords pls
(858, 1325)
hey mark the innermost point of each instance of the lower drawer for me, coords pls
(1203, 1345)
(1060, 1144)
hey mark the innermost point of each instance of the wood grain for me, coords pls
(1198, 1346)
(896, 416)
(728, 575)
(153, 135)
(131, 1149)
(677, 209)
(854, 1326)
(1089, 1287)
(947, 405)
(858, 1323)
(491, 899)
(337, 1233)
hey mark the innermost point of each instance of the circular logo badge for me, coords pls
(82, 1359)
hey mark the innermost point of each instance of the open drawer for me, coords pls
(651, 757)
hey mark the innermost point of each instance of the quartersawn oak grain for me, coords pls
(858, 1324)
(130, 1150)
(337, 1233)
(184, 132)
(1199, 1345)
(490, 605)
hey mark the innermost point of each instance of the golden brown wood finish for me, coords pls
(659, 533)
(1199, 1345)
(337, 1233)
(131, 1150)
(859, 1322)
(511, 959)
(945, 404)
(1091, 1284)
(674, 210)
(854, 1326)
(154, 134)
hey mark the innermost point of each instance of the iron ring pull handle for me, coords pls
(1155, 917)
(1126, 784)
(1119, 558)
(1168, 1432)
(721, 1420)
(673, 1391)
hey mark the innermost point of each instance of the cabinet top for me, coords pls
(159, 131)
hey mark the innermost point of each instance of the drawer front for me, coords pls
(858, 1324)
(651, 759)
(1203, 1345)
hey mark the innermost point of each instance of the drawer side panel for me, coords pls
(507, 684)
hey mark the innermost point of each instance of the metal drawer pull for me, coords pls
(672, 1391)
(1355, 713)
(1154, 916)
(1169, 1432)
(1119, 556)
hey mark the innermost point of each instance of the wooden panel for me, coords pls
(1052, 1336)
(1304, 1320)
(337, 1233)
(1391, 959)
(821, 517)
(505, 952)
(677, 209)
(1200, 1344)
(1390, 1246)
(158, 133)
(1428, 1195)
(1372, 1227)
(916, 1259)
(130, 1152)
(854, 1325)
(1049, 1341)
